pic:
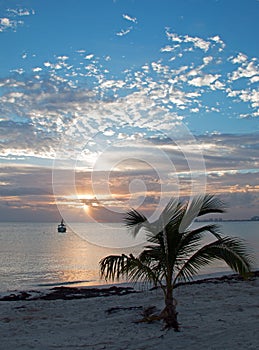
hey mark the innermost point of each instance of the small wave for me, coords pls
(63, 283)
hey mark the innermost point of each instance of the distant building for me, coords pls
(255, 218)
(210, 220)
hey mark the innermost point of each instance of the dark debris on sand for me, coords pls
(223, 279)
(68, 293)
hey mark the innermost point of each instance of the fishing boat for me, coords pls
(62, 227)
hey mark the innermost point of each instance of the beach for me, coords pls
(213, 314)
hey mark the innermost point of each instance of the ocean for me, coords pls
(35, 255)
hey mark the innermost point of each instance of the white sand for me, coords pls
(212, 316)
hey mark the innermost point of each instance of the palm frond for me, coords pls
(192, 239)
(171, 210)
(155, 258)
(190, 212)
(228, 249)
(134, 220)
(172, 215)
(211, 204)
(118, 266)
(112, 266)
(138, 270)
(198, 206)
(164, 231)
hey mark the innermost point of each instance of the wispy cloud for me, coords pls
(10, 20)
(231, 170)
(126, 31)
(72, 106)
(196, 41)
(205, 80)
(123, 32)
(129, 18)
(247, 70)
(159, 95)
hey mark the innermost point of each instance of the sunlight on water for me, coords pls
(36, 256)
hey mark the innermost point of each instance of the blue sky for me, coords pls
(132, 101)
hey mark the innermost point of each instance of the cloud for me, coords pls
(196, 41)
(205, 80)
(247, 95)
(89, 57)
(20, 191)
(37, 69)
(247, 70)
(74, 106)
(248, 73)
(240, 58)
(21, 12)
(129, 18)
(6, 23)
(229, 160)
(254, 79)
(157, 96)
(126, 31)
(167, 48)
(71, 106)
(29, 190)
(230, 152)
(123, 32)
(250, 96)
(219, 41)
(11, 19)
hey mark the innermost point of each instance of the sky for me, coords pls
(107, 105)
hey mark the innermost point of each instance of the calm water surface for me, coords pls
(36, 256)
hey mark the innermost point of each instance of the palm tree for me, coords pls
(175, 251)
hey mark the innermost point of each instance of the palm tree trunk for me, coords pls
(169, 314)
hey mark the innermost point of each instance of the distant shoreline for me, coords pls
(227, 220)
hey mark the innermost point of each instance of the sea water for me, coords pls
(35, 255)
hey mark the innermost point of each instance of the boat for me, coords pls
(62, 227)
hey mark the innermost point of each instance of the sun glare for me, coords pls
(86, 207)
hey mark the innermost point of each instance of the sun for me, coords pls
(86, 207)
